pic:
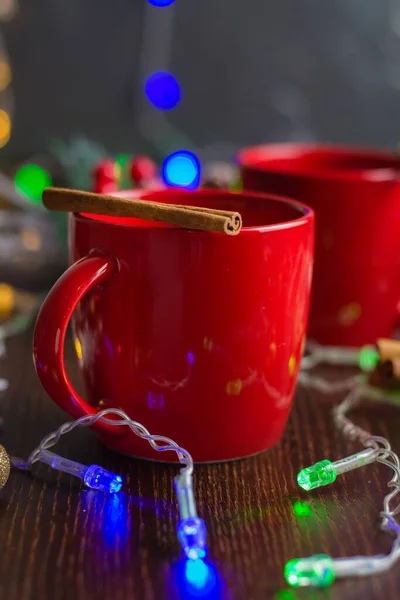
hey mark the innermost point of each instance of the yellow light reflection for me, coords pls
(233, 388)
(349, 314)
(5, 74)
(292, 365)
(78, 348)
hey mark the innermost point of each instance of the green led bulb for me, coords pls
(317, 570)
(368, 358)
(322, 473)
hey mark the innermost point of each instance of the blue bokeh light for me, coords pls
(163, 90)
(182, 169)
(161, 2)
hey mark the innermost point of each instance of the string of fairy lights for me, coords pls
(182, 168)
(380, 382)
(378, 368)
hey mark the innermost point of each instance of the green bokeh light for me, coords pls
(30, 181)
(368, 358)
(123, 163)
(237, 185)
(123, 159)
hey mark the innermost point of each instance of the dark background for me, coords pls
(250, 71)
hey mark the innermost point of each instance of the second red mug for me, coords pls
(197, 335)
(355, 193)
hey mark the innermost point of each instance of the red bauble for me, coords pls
(143, 169)
(105, 171)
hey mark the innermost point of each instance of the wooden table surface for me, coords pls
(60, 541)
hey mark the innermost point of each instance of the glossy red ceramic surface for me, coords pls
(355, 194)
(197, 335)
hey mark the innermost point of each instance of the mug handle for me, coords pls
(51, 327)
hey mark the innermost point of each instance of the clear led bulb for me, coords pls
(322, 473)
(317, 570)
(94, 477)
(191, 530)
(325, 472)
(192, 535)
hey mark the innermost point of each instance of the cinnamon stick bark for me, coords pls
(188, 217)
(388, 349)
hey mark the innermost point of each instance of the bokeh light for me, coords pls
(7, 300)
(123, 163)
(163, 90)
(182, 169)
(161, 2)
(5, 73)
(8, 8)
(30, 180)
(31, 240)
(5, 128)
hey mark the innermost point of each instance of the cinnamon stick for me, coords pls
(388, 349)
(189, 217)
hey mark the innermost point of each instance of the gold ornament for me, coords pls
(4, 467)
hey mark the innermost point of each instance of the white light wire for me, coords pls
(359, 565)
(86, 421)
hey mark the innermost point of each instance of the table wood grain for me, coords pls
(60, 541)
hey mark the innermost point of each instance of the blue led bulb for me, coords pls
(98, 478)
(94, 476)
(192, 534)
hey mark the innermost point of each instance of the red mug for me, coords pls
(196, 335)
(355, 193)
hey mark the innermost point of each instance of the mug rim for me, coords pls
(255, 156)
(306, 213)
